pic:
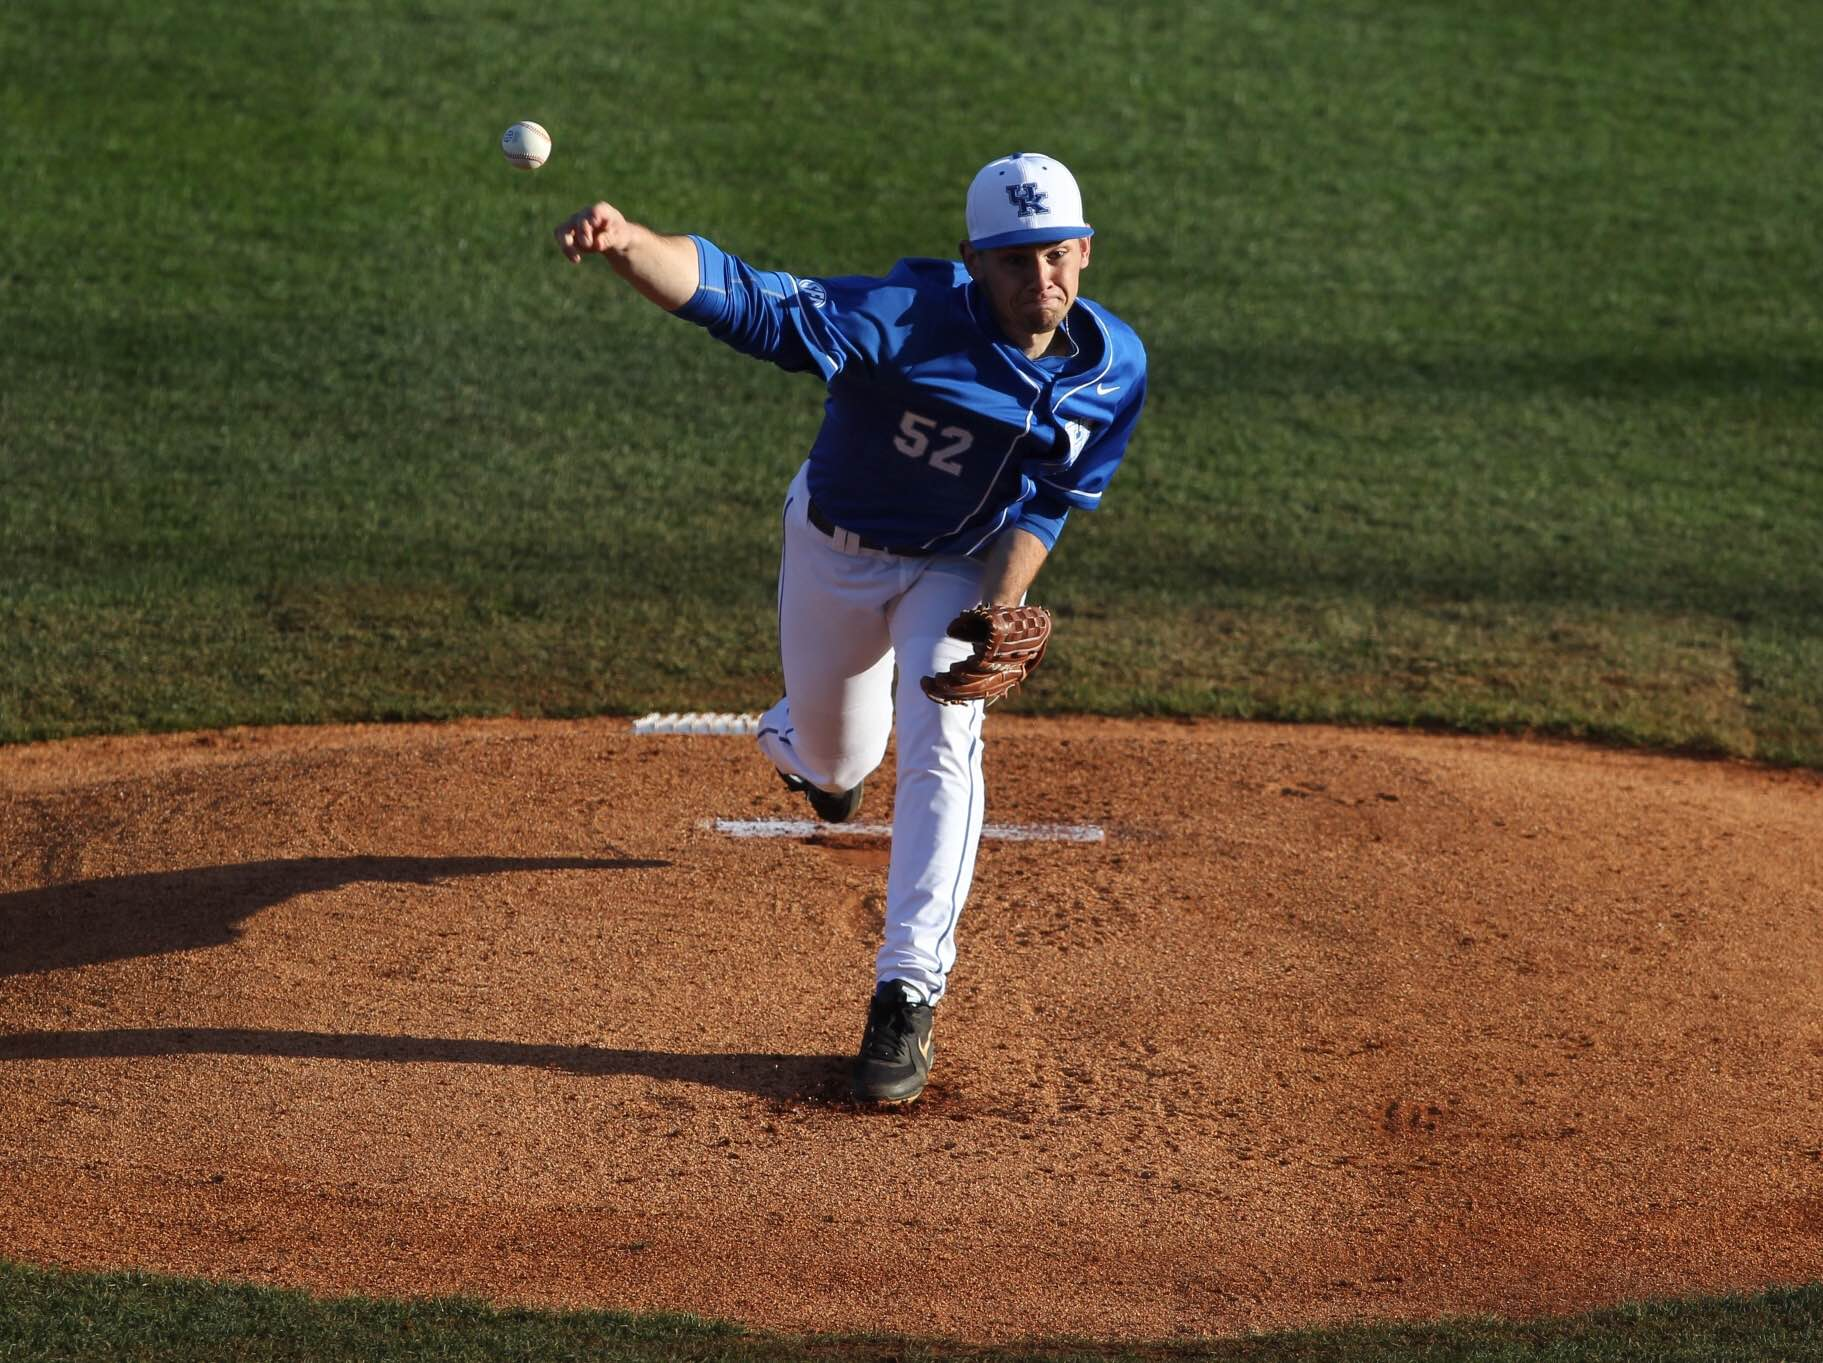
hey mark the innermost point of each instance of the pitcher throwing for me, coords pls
(972, 406)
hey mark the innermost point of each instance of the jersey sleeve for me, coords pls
(1043, 515)
(825, 325)
(1081, 481)
(1086, 477)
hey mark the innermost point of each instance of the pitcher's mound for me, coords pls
(1331, 1025)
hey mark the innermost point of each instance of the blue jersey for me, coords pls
(937, 433)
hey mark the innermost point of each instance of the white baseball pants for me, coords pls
(846, 614)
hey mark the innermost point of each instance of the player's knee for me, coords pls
(847, 772)
(836, 768)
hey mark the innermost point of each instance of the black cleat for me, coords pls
(896, 1048)
(829, 808)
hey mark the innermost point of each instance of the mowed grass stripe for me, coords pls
(1457, 315)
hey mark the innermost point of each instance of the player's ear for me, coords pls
(970, 261)
(1087, 242)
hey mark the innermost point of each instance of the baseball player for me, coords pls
(972, 406)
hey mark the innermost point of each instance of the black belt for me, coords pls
(830, 528)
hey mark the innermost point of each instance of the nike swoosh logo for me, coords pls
(924, 1047)
(1103, 389)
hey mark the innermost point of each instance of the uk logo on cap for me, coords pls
(1027, 199)
(1024, 198)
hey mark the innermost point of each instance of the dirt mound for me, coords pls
(1330, 1026)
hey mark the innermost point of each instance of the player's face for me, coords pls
(1033, 287)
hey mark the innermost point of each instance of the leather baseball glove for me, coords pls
(1009, 643)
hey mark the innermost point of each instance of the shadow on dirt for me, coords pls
(769, 1076)
(89, 922)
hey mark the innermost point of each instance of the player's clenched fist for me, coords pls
(600, 229)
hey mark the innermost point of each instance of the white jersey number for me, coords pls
(914, 441)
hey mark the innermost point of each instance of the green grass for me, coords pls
(58, 1317)
(1487, 344)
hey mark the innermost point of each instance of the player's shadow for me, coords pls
(89, 922)
(782, 1077)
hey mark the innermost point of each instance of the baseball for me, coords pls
(526, 145)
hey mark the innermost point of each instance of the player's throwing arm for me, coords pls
(663, 269)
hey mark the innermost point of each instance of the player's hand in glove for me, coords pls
(1009, 643)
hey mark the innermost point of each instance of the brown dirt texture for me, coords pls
(1332, 1026)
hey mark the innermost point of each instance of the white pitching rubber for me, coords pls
(695, 723)
(1000, 832)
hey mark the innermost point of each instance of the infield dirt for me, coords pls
(1333, 1026)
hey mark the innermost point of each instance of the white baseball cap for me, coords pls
(1022, 198)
